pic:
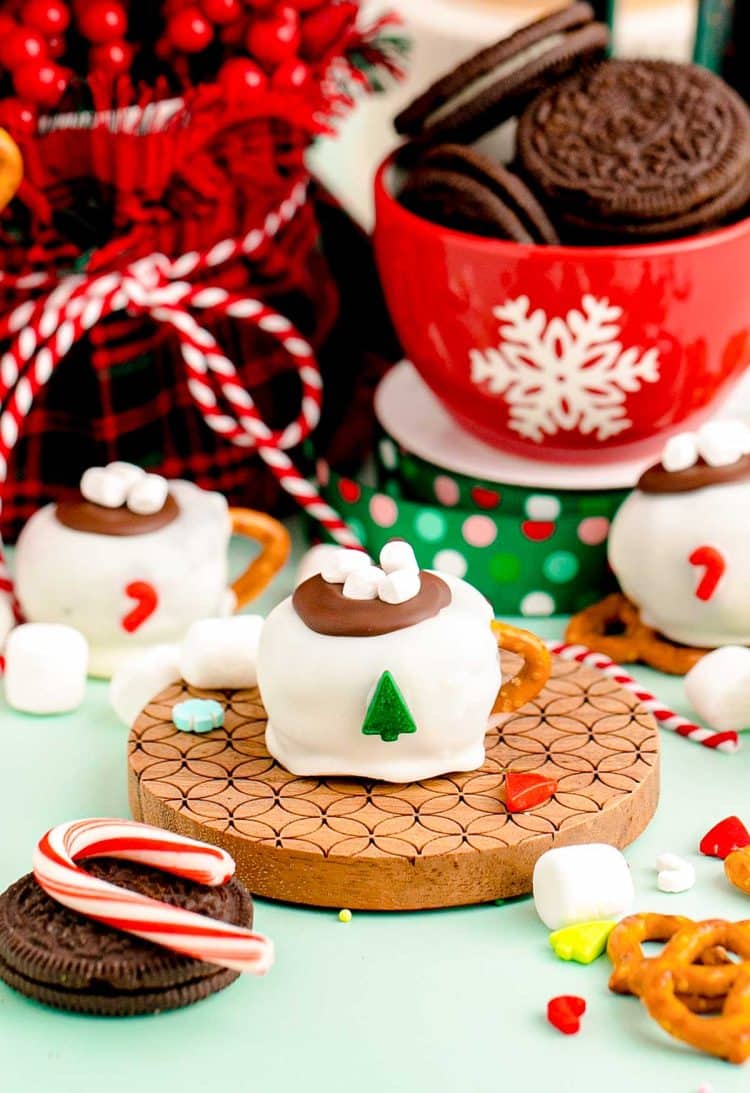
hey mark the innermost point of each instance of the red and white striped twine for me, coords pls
(728, 742)
(44, 330)
(186, 932)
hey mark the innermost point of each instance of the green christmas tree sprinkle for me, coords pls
(388, 716)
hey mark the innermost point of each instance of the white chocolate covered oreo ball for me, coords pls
(678, 545)
(398, 688)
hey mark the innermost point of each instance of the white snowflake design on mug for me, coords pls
(561, 374)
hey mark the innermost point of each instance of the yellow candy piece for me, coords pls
(582, 943)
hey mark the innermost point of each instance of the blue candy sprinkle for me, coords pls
(198, 715)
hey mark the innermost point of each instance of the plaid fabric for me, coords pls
(122, 393)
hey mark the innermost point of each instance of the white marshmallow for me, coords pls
(312, 561)
(398, 555)
(142, 677)
(148, 494)
(102, 488)
(575, 884)
(718, 688)
(7, 619)
(722, 443)
(363, 583)
(45, 668)
(336, 567)
(222, 653)
(680, 452)
(126, 472)
(674, 873)
(399, 586)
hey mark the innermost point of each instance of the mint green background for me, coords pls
(438, 1002)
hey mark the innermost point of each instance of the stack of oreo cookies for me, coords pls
(606, 152)
(62, 959)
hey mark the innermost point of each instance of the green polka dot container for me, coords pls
(531, 552)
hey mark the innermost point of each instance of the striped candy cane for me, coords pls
(44, 330)
(57, 872)
(728, 742)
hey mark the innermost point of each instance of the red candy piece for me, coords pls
(21, 47)
(274, 40)
(713, 563)
(41, 82)
(241, 79)
(564, 1013)
(527, 791)
(114, 58)
(726, 836)
(147, 601)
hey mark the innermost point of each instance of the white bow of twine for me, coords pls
(44, 330)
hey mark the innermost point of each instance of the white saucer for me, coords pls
(410, 413)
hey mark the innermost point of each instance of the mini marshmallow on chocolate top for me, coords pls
(386, 672)
(678, 545)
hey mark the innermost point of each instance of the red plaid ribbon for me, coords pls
(45, 329)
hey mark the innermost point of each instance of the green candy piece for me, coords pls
(388, 716)
(583, 943)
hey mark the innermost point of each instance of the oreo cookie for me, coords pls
(498, 82)
(463, 190)
(60, 958)
(638, 150)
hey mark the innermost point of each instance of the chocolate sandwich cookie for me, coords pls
(638, 150)
(446, 188)
(60, 958)
(499, 81)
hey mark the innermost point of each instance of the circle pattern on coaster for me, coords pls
(593, 530)
(446, 491)
(479, 531)
(430, 526)
(441, 842)
(561, 566)
(542, 508)
(538, 604)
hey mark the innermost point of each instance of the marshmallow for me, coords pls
(674, 873)
(7, 619)
(718, 688)
(680, 452)
(399, 586)
(142, 677)
(102, 488)
(126, 472)
(722, 443)
(363, 584)
(148, 494)
(576, 884)
(338, 566)
(45, 668)
(312, 561)
(396, 555)
(222, 654)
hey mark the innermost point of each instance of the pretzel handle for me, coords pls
(11, 168)
(275, 547)
(536, 669)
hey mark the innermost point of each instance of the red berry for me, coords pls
(17, 116)
(47, 16)
(276, 39)
(189, 30)
(221, 11)
(42, 82)
(114, 58)
(324, 29)
(291, 75)
(56, 45)
(7, 26)
(103, 21)
(240, 79)
(20, 46)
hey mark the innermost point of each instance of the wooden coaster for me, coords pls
(370, 845)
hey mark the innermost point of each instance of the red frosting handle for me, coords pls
(714, 565)
(206, 939)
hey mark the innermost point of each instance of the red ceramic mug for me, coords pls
(554, 351)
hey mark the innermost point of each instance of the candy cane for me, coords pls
(713, 563)
(728, 742)
(185, 932)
